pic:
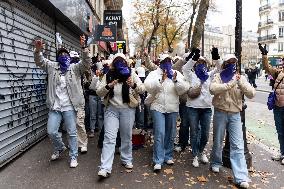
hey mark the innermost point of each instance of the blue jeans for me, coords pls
(199, 121)
(114, 119)
(164, 135)
(184, 127)
(231, 122)
(54, 119)
(96, 112)
(279, 123)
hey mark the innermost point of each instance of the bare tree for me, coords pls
(194, 6)
(199, 23)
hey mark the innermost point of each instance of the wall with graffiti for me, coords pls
(23, 114)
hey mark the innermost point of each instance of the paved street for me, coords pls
(34, 170)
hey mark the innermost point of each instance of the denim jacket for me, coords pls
(73, 78)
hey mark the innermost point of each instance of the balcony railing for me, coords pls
(267, 38)
(264, 7)
(265, 23)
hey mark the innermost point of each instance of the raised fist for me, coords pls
(262, 49)
(215, 53)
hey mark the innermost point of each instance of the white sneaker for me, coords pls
(170, 162)
(276, 157)
(203, 158)
(195, 162)
(84, 149)
(128, 166)
(73, 163)
(57, 154)
(103, 173)
(178, 149)
(215, 169)
(244, 185)
(157, 167)
(282, 162)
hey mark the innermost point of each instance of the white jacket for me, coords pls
(166, 94)
(117, 101)
(204, 100)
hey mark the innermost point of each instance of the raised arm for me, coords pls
(272, 71)
(40, 61)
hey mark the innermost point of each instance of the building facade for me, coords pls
(271, 28)
(224, 39)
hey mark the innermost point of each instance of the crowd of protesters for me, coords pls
(112, 96)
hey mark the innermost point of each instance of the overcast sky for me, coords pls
(224, 16)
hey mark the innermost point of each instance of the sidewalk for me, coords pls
(33, 170)
(262, 85)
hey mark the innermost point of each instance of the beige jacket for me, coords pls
(228, 96)
(277, 75)
(73, 78)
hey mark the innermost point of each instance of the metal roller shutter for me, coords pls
(23, 113)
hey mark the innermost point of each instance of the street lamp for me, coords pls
(238, 49)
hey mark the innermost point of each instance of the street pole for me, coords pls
(238, 49)
(202, 42)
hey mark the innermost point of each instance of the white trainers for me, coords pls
(244, 185)
(178, 149)
(282, 162)
(84, 149)
(215, 169)
(57, 154)
(170, 162)
(103, 173)
(203, 158)
(157, 167)
(276, 157)
(195, 162)
(73, 163)
(128, 165)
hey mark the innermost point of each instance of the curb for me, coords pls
(263, 90)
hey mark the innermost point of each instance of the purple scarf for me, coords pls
(122, 68)
(201, 72)
(105, 68)
(228, 73)
(64, 62)
(167, 66)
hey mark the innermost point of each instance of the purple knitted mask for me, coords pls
(228, 73)
(167, 65)
(201, 72)
(64, 62)
(122, 68)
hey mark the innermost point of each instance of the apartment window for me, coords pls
(281, 31)
(281, 15)
(280, 46)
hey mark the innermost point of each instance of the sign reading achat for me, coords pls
(113, 17)
(106, 33)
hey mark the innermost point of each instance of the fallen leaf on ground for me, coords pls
(160, 182)
(128, 170)
(202, 179)
(171, 178)
(186, 174)
(230, 178)
(222, 186)
(138, 181)
(145, 174)
(188, 185)
(168, 171)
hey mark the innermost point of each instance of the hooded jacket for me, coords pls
(228, 96)
(165, 94)
(73, 78)
(204, 100)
